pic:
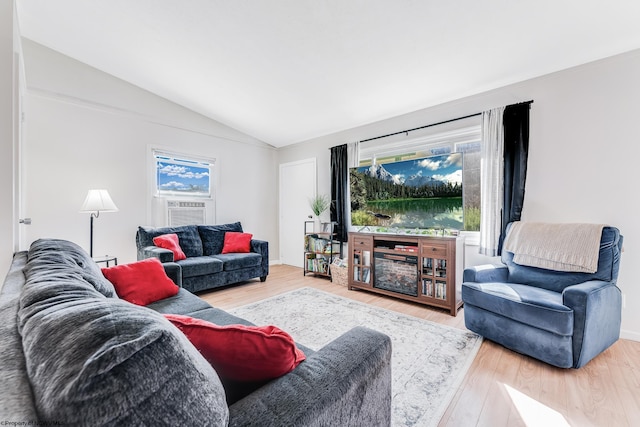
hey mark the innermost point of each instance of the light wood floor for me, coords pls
(502, 388)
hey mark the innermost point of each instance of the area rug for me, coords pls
(429, 360)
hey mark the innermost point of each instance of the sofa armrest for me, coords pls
(597, 316)
(262, 247)
(347, 382)
(486, 273)
(164, 255)
(174, 272)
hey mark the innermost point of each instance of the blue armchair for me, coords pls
(561, 318)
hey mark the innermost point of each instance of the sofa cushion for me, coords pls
(240, 352)
(184, 302)
(200, 266)
(236, 261)
(213, 236)
(69, 259)
(141, 282)
(218, 316)
(532, 306)
(98, 361)
(188, 237)
(171, 242)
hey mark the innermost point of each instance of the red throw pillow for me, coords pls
(141, 282)
(171, 242)
(235, 242)
(241, 353)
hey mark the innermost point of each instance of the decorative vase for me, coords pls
(317, 224)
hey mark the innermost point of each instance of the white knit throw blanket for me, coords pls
(561, 247)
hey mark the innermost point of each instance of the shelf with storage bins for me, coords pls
(424, 269)
(320, 248)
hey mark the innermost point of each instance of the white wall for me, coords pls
(86, 129)
(584, 137)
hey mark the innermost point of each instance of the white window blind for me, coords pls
(444, 142)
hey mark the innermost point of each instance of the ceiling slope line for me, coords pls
(124, 112)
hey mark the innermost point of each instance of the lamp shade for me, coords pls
(98, 201)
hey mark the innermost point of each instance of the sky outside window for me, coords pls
(182, 177)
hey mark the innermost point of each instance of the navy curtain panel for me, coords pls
(516, 151)
(339, 189)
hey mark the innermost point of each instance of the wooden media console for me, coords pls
(423, 269)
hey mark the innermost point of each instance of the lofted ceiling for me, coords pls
(285, 71)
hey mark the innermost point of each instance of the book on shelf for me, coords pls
(361, 274)
(427, 287)
(313, 243)
(317, 264)
(441, 290)
(365, 275)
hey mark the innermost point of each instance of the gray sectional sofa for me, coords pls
(74, 353)
(206, 267)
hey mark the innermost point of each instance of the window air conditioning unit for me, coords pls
(182, 212)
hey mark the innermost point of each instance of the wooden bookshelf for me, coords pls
(320, 248)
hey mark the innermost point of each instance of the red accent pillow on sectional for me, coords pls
(171, 242)
(236, 242)
(141, 282)
(241, 353)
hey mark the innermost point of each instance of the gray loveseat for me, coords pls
(74, 353)
(206, 267)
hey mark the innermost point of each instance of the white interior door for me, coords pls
(20, 221)
(297, 186)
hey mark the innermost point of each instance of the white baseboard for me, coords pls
(275, 262)
(629, 335)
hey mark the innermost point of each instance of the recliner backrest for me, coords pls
(608, 265)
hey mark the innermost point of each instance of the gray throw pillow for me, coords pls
(98, 361)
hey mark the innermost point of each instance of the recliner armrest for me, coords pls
(486, 273)
(164, 255)
(597, 316)
(579, 297)
(347, 382)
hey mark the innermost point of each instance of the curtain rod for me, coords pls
(434, 124)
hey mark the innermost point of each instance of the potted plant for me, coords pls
(319, 204)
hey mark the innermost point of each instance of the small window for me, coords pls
(178, 175)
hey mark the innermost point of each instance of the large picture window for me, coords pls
(178, 175)
(422, 183)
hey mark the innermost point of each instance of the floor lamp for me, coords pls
(97, 201)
